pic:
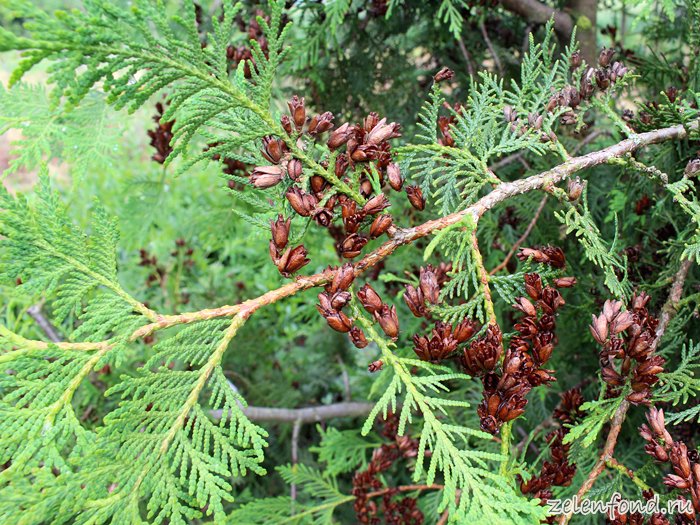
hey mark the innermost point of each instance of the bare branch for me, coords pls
(465, 54)
(523, 237)
(303, 415)
(491, 49)
(295, 459)
(668, 312)
(42, 322)
(535, 12)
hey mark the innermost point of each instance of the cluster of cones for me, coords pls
(336, 297)
(367, 151)
(628, 338)
(558, 471)
(522, 367)
(685, 464)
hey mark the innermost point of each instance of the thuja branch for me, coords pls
(205, 373)
(614, 464)
(399, 236)
(484, 278)
(606, 458)
(67, 395)
(670, 309)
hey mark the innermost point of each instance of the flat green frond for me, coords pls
(138, 53)
(486, 496)
(49, 255)
(597, 250)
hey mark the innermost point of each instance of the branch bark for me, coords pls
(399, 237)
(43, 323)
(535, 12)
(303, 415)
(669, 311)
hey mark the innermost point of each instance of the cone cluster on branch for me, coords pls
(395, 512)
(535, 121)
(559, 471)
(380, 311)
(628, 337)
(522, 367)
(555, 473)
(685, 475)
(334, 299)
(287, 259)
(606, 74)
(444, 338)
(366, 151)
(550, 255)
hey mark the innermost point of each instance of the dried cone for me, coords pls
(340, 136)
(293, 260)
(395, 178)
(415, 300)
(443, 74)
(352, 246)
(280, 232)
(429, 284)
(380, 226)
(415, 197)
(343, 278)
(369, 299)
(388, 320)
(298, 112)
(264, 177)
(321, 123)
(358, 338)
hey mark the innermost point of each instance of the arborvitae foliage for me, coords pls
(546, 199)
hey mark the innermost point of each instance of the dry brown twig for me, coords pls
(522, 238)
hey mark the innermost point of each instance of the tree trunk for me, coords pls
(584, 14)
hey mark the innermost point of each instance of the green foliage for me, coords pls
(85, 137)
(179, 457)
(342, 450)
(599, 413)
(49, 254)
(596, 249)
(139, 415)
(681, 384)
(313, 485)
(114, 45)
(454, 175)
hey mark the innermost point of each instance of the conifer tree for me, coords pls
(509, 296)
